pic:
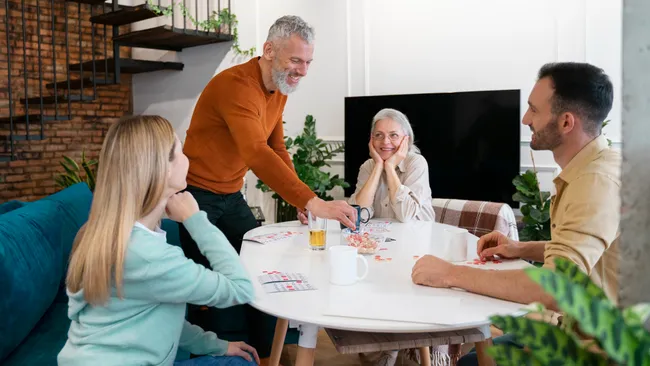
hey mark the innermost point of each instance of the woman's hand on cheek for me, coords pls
(400, 154)
(374, 154)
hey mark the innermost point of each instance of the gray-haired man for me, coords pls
(236, 126)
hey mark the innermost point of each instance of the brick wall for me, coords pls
(32, 176)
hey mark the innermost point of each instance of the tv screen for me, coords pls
(469, 139)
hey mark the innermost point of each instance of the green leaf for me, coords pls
(519, 197)
(548, 344)
(90, 177)
(70, 180)
(519, 181)
(529, 233)
(576, 276)
(73, 164)
(536, 214)
(525, 210)
(508, 354)
(529, 220)
(597, 317)
(636, 316)
(530, 178)
(69, 171)
(546, 196)
(60, 181)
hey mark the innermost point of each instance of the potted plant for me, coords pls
(535, 209)
(594, 331)
(311, 154)
(85, 171)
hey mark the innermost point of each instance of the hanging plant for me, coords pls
(222, 21)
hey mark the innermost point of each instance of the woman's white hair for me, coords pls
(288, 25)
(399, 117)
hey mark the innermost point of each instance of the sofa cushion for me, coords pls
(31, 266)
(47, 338)
(10, 206)
(74, 202)
(172, 230)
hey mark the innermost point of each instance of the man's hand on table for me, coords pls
(495, 243)
(333, 210)
(432, 271)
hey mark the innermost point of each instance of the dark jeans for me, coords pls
(471, 359)
(216, 361)
(231, 214)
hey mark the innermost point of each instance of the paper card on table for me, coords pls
(376, 226)
(426, 309)
(273, 237)
(274, 276)
(287, 286)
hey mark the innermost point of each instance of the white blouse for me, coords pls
(413, 200)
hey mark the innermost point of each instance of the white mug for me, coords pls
(455, 244)
(343, 265)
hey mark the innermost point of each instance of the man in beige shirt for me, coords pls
(566, 109)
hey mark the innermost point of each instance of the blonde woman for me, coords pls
(394, 182)
(127, 287)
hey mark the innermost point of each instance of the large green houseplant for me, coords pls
(594, 330)
(311, 154)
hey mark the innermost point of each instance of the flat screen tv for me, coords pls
(470, 140)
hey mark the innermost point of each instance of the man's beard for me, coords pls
(279, 78)
(548, 138)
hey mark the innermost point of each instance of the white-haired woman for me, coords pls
(394, 182)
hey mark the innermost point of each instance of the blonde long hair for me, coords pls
(131, 178)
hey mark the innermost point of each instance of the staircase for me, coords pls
(33, 101)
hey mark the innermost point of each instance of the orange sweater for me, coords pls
(237, 125)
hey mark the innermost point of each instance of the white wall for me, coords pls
(371, 47)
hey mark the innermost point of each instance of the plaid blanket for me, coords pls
(478, 217)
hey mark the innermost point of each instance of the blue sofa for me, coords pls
(35, 243)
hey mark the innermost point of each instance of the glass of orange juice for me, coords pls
(317, 232)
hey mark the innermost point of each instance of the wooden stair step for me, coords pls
(33, 118)
(127, 66)
(126, 15)
(89, 2)
(51, 99)
(17, 137)
(4, 157)
(360, 342)
(76, 84)
(170, 38)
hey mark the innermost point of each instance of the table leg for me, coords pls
(425, 356)
(481, 352)
(281, 326)
(307, 345)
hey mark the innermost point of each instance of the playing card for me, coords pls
(287, 286)
(273, 237)
(275, 276)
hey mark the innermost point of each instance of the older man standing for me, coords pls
(236, 126)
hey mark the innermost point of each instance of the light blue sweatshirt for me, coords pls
(148, 325)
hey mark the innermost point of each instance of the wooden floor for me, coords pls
(326, 355)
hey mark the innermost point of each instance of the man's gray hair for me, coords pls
(288, 25)
(400, 118)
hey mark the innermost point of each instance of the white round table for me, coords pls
(388, 289)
